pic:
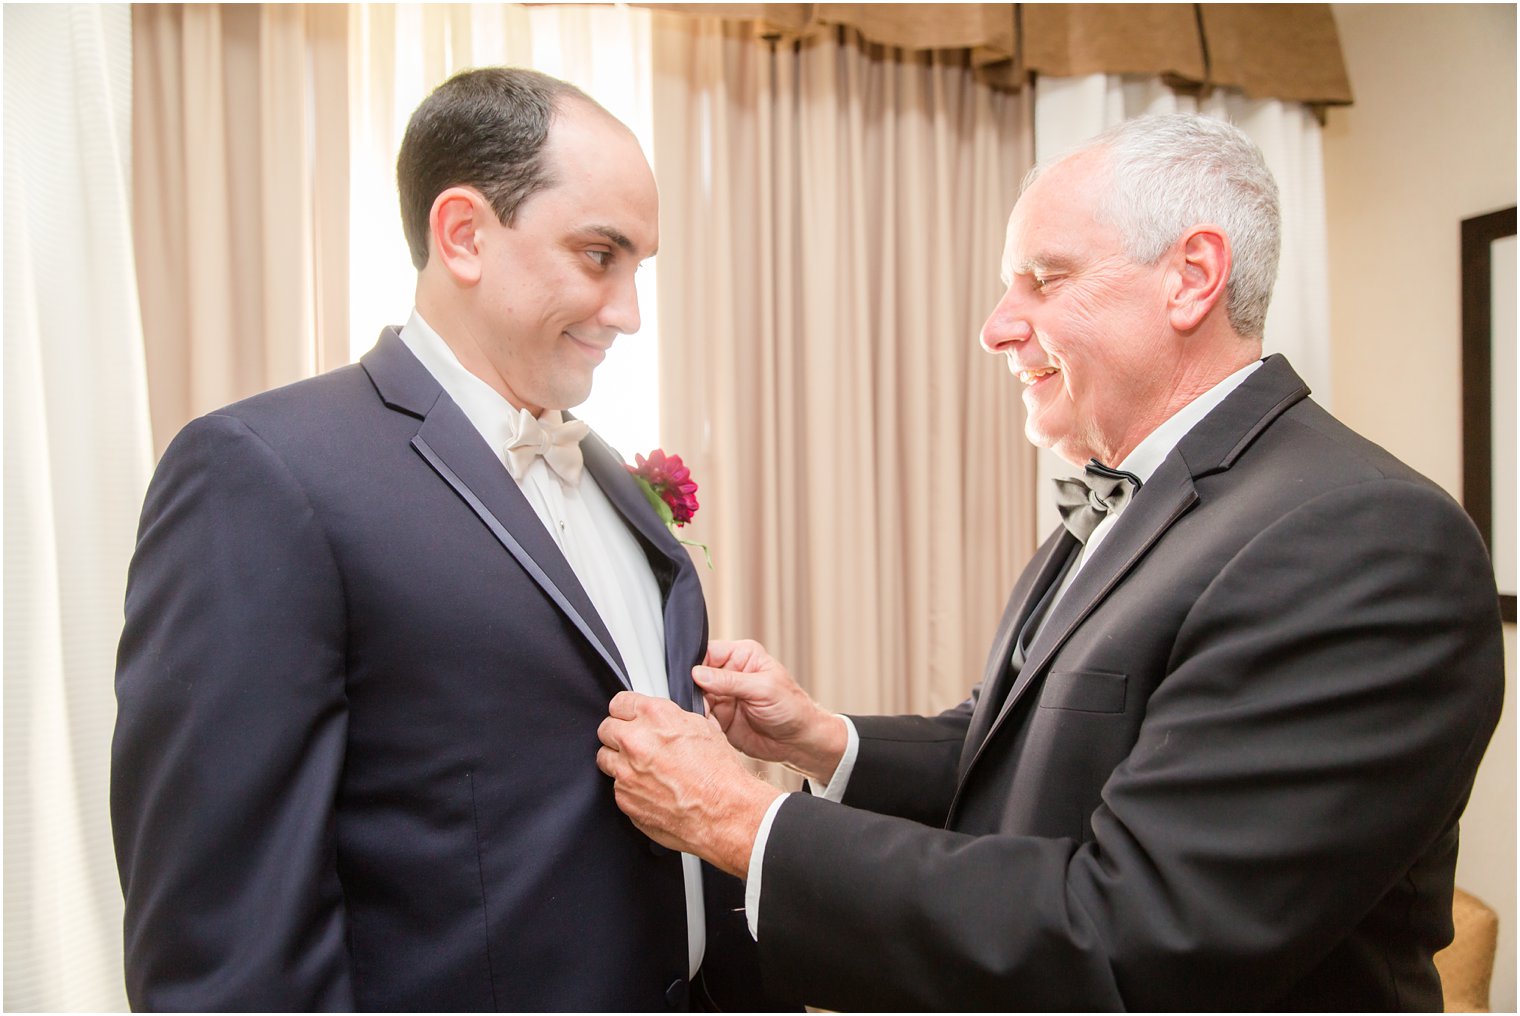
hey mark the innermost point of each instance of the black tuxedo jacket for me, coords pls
(355, 756)
(1228, 775)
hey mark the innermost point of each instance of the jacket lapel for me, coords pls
(1212, 445)
(685, 609)
(449, 443)
(1097, 577)
(1047, 567)
(1167, 495)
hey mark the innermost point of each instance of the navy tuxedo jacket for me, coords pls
(359, 689)
(1227, 776)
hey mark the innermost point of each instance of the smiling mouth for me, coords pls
(1029, 377)
(597, 353)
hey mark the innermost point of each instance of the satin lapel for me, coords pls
(451, 445)
(454, 449)
(680, 587)
(1212, 445)
(1167, 496)
(1228, 431)
(1046, 567)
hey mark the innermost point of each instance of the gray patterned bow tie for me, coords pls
(1084, 503)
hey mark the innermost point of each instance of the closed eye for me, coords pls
(1042, 272)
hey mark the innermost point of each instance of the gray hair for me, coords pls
(1167, 173)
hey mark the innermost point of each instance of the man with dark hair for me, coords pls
(1233, 710)
(374, 619)
(488, 129)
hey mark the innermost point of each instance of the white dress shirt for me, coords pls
(1143, 462)
(603, 553)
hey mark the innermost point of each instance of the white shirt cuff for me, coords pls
(833, 792)
(756, 856)
(841, 778)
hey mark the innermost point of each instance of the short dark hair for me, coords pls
(485, 128)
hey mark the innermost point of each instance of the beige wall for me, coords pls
(1430, 141)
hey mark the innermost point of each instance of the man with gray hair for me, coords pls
(1235, 704)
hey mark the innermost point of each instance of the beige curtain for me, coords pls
(832, 219)
(240, 198)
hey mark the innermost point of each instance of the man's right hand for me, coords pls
(765, 714)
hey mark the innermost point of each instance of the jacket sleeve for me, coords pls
(1316, 733)
(907, 764)
(230, 737)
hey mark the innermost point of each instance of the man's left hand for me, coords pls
(679, 781)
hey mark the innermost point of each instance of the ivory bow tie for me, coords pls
(556, 439)
(1084, 503)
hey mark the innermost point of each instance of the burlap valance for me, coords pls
(1268, 51)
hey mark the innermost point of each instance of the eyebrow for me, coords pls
(1043, 263)
(617, 237)
(1039, 264)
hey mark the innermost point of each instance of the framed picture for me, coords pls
(1488, 389)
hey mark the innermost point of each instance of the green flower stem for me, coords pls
(655, 500)
(705, 552)
(667, 516)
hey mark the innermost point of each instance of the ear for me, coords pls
(458, 214)
(1203, 267)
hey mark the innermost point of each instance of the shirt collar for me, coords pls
(1158, 444)
(491, 414)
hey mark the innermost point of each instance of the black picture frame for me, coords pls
(1478, 236)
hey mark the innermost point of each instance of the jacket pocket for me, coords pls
(1084, 691)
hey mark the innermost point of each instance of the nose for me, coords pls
(1007, 325)
(621, 310)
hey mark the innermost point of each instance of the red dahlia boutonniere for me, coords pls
(670, 490)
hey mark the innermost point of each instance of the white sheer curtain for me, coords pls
(401, 52)
(77, 458)
(1070, 110)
